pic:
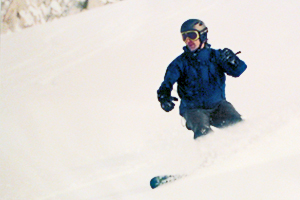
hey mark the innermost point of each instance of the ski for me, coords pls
(160, 180)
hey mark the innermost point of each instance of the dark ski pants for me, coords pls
(200, 120)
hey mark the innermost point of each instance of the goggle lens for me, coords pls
(193, 35)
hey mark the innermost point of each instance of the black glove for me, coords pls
(228, 57)
(166, 102)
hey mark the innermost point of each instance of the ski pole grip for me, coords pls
(174, 99)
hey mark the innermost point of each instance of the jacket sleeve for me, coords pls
(172, 75)
(231, 70)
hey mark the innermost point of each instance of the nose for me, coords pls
(187, 40)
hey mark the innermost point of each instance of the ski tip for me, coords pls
(160, 180)
(154, 183)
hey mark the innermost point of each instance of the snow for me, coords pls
(80, 117)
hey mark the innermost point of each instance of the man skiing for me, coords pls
(200, 75)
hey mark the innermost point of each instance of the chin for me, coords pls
(193, 49)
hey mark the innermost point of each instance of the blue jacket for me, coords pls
(200, 78)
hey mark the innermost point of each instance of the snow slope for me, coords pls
(80, 118)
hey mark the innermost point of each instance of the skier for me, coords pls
(200, 75)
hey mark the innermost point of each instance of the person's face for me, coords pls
(193, 45)
(191, 39)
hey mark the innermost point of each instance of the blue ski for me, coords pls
(160, 180)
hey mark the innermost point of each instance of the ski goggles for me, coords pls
(192, 35)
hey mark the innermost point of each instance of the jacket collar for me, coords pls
(188, 52)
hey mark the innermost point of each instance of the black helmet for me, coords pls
(197, 25)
